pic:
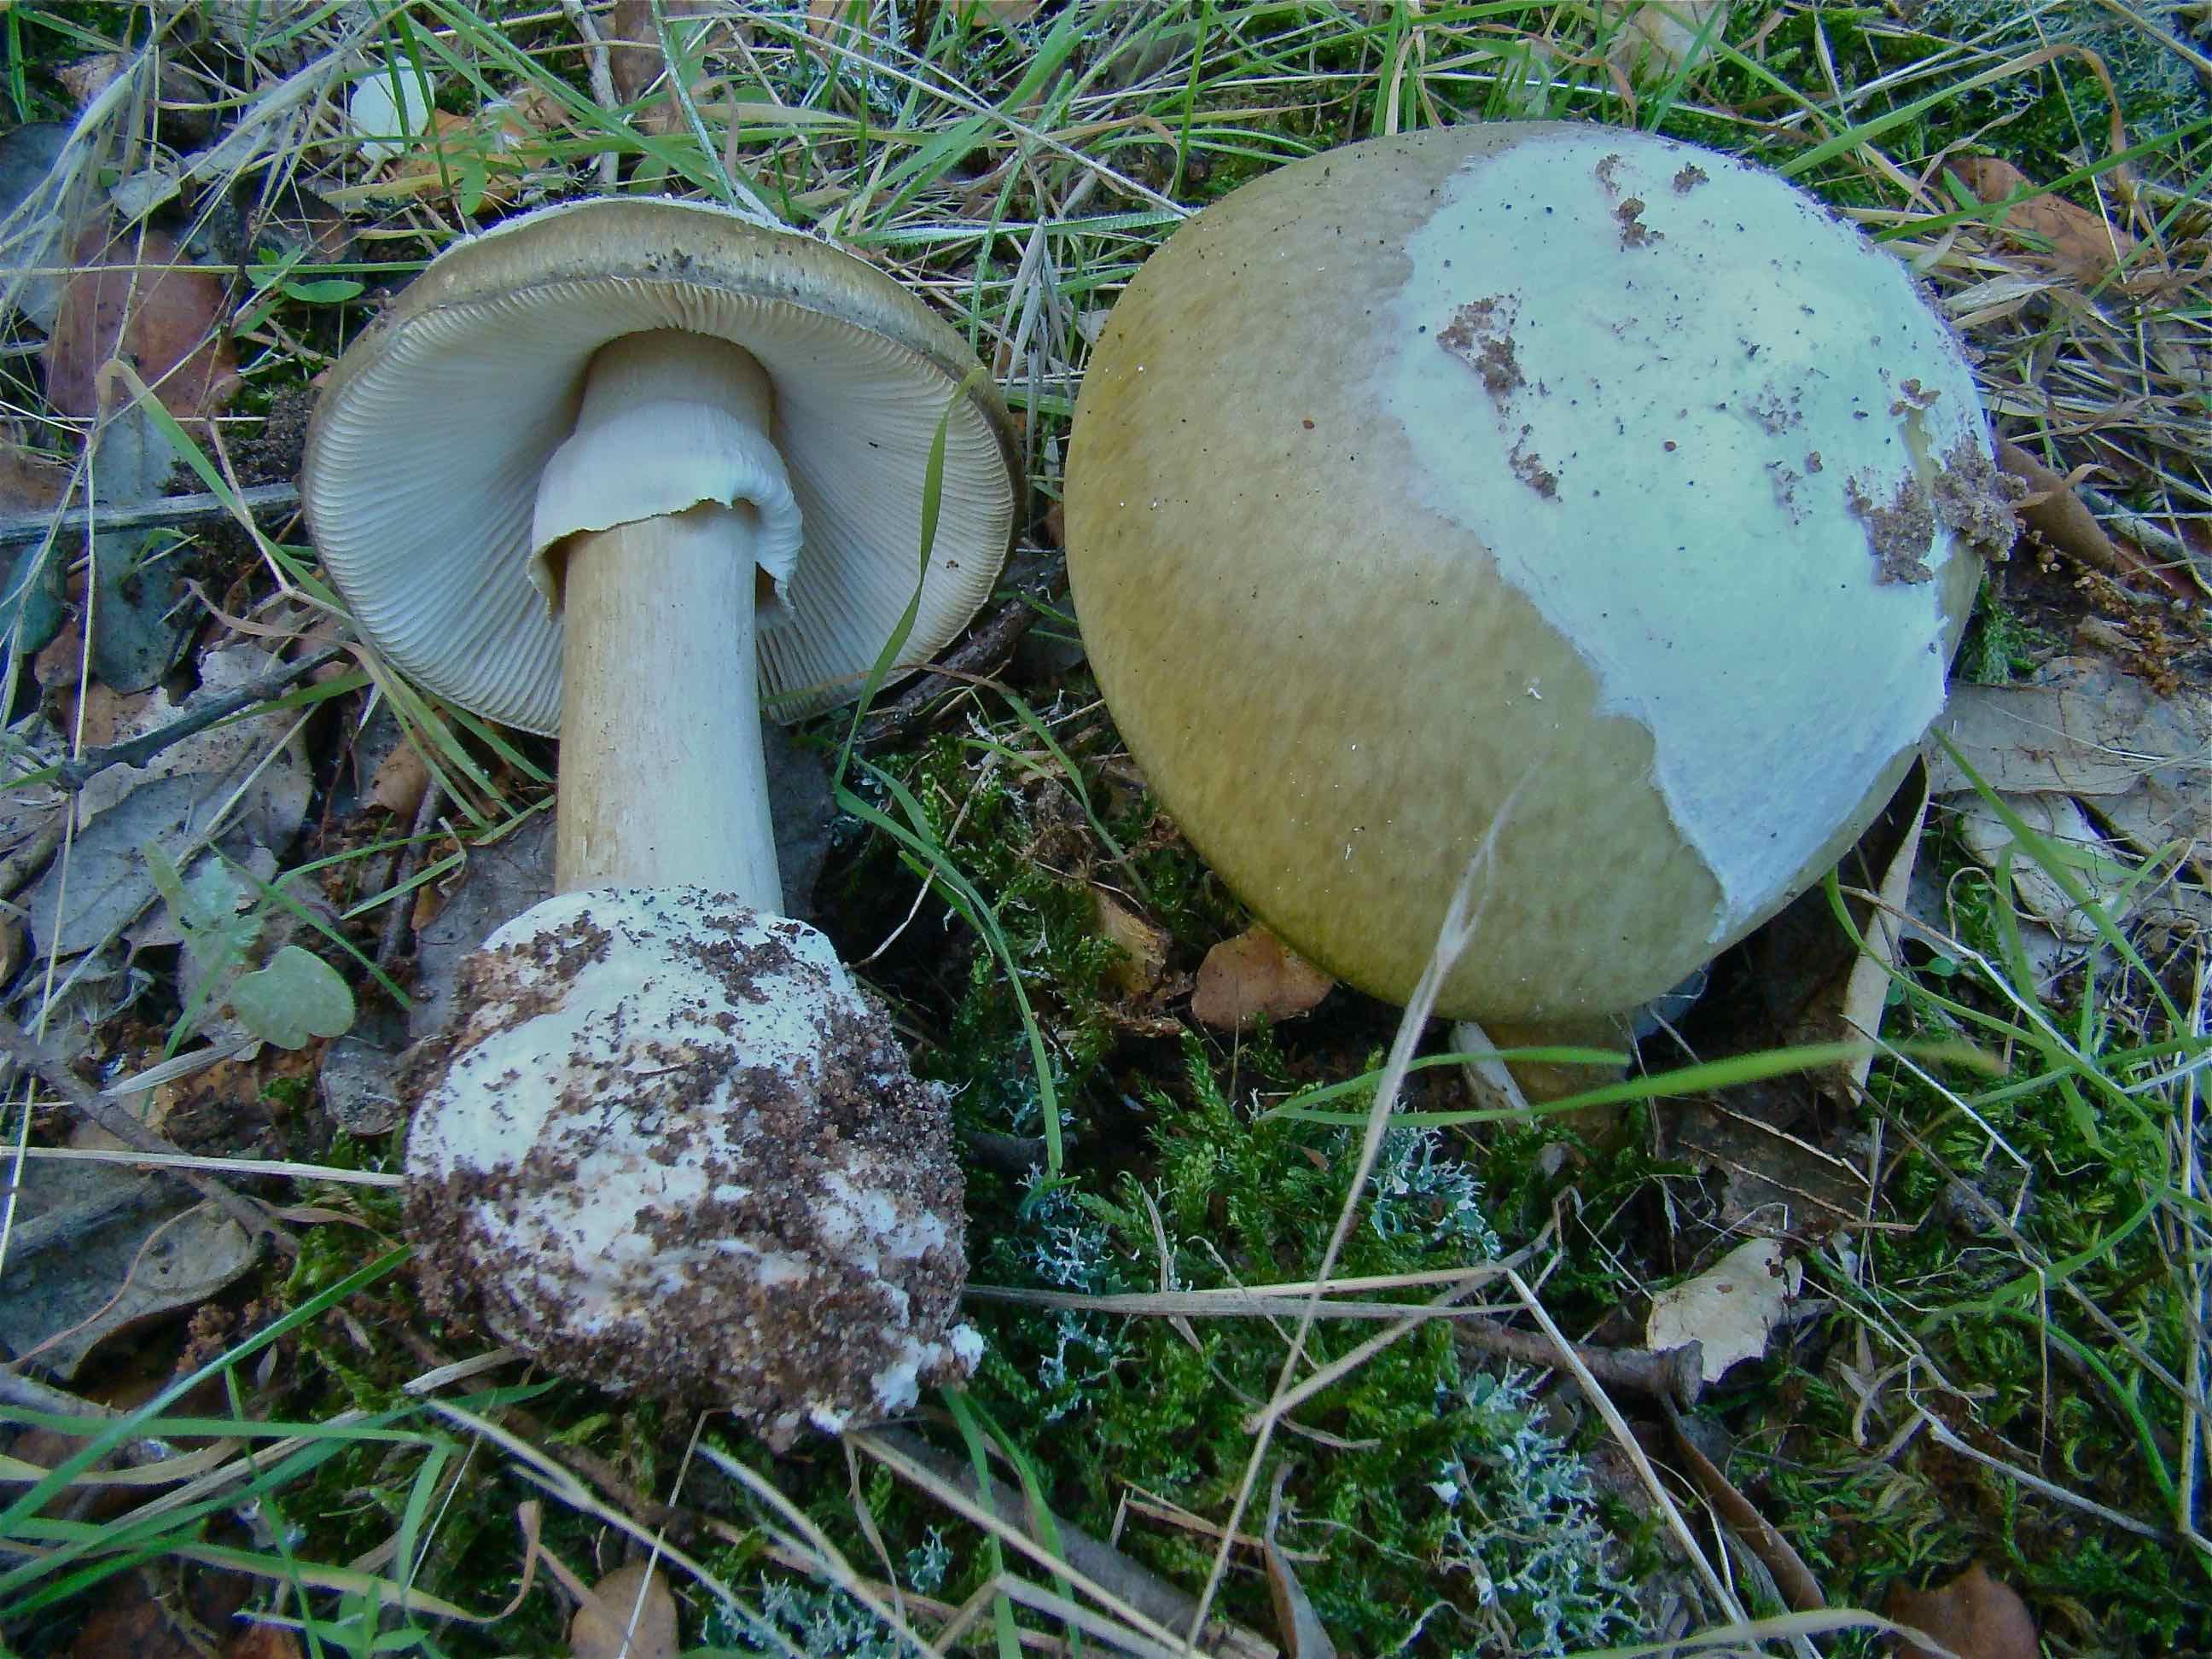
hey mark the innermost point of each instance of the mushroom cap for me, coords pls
(668, 1147)
(1530, 460)
(425, 448)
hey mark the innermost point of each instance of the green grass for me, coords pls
(2030, 1288)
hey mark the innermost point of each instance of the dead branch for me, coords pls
(260, 500)
(982, 649)
(1675, 1376)
(74, 774)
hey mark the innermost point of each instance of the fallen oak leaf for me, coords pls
(2051, 229)
(1252, 974)
(1975, 1616)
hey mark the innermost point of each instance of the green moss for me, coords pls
(1416, 1465)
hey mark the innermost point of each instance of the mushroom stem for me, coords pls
(660, 516)
(662, 777)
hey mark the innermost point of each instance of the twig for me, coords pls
(1800, 1590)
(35, 1057)
(404, 867)
(161, 510)
(74, 774)
(986, 646)
(601, 80)
(1674, 1376)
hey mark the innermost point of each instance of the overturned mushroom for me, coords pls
(627, 467)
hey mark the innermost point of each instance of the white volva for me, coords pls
(1686, 359)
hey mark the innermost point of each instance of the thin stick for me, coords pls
(601, 80)
(1675, 1376)
(74, 774)
(164, 510)
(35, 1057)
(397, 914)
(984, 648)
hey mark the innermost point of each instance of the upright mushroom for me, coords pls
(1537, 463)
(618, 468)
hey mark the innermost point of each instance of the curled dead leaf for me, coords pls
(629, 1615)
(1143, 945)
(635, 59)
(1252, 974)
(2055, 512)
(1975, 1616)
(399, 781)
(2049, 229)
(134, 297)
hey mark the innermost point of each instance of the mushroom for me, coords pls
(623, 468)
(1532, 462)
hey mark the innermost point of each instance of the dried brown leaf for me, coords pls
(630, 1614)
(1252, 974)
(30, 482)
(2061, 825)
(263, 1642)
(2055, 512)
(134, 298)
(1858, 1011)
(399, 781)
(2049, 229)
(1143, 945)
(1975, 1616)
(1299, 1626)
(2084, 728)
(492, 150)
(635, 59)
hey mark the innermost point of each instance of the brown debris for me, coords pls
(1899, 530)
(1975, 1616)
(1480, 335)
(1634, 233)
(1975, 501)
(1529, 466)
